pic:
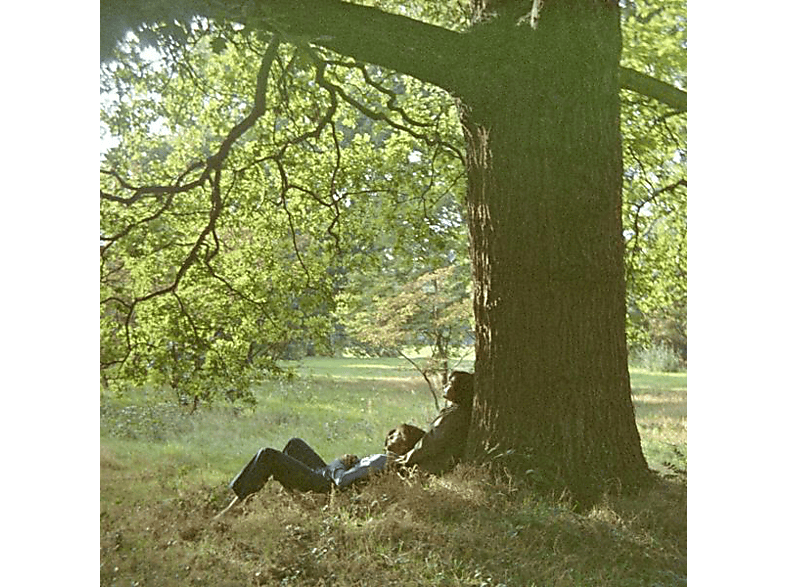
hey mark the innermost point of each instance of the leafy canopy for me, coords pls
(262, 197)
(210, 275)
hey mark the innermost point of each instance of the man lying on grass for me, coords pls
(299, 467)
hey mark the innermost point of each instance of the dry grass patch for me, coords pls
(163, 478)
(462, 529)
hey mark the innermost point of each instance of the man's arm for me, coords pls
(343, 476)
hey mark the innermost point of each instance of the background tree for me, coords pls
(655, 179)
(432, 310)
(538, 89)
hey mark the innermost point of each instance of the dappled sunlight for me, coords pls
(161, 486)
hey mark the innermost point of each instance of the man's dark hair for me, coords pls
(463, 383)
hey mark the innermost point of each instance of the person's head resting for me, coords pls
(459, 388)
(403, 438)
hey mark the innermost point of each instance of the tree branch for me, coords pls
(424, 373)
(370, 35)
(653, 88)
(430, 53)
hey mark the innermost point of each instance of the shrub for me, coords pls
(657, 357)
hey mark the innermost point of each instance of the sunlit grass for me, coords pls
(164, 473)
(660, 400)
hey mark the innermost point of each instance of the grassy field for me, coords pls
(164, 474)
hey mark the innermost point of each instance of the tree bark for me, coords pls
(544, 201)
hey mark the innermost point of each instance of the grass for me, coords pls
(661, 402)
(164, 474)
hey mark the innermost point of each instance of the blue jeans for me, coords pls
(296, 467)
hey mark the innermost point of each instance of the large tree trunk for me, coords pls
(544, 200)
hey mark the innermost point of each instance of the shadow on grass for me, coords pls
(462, 529)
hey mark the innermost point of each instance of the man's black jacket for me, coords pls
(443, 445)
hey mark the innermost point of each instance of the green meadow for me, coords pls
(165, 471)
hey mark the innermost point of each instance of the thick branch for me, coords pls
(427, 52)
(653, 88)
(370, 35)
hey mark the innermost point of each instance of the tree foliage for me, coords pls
(655, 178)
(258, 178)
(236, 206)
(401, 316)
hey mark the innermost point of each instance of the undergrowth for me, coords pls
(657, 358)
(164, 476)
(464, 529)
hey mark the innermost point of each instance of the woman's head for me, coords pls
(403, 438)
